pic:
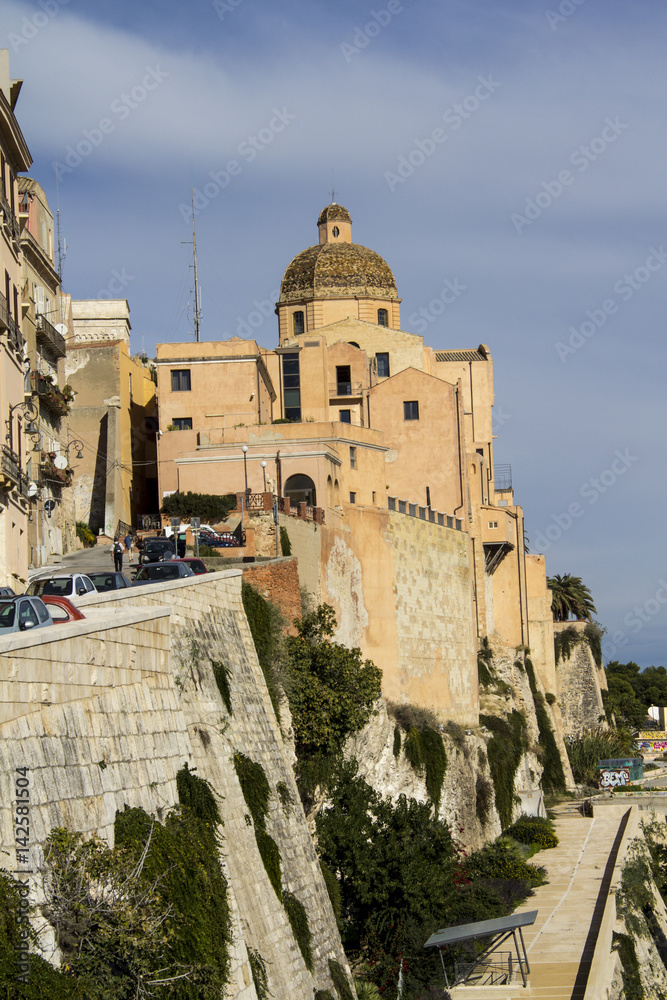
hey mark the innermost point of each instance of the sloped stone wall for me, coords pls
(92, 755)
(579, 685)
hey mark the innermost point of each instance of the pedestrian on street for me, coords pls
(128, 545)
(117, 550)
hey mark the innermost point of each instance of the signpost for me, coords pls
(195, 525)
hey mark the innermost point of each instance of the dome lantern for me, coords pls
(335, 224)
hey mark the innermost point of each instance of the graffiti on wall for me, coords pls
(613, 779)
(653, 746)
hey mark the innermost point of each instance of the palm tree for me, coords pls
(570, 596)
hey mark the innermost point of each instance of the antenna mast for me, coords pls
(194, 248)
(62, 252)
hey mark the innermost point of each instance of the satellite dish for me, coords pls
(32, 489)
(62, 329)
(60, 462)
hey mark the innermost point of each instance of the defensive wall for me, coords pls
(106, 711)
(579, 684)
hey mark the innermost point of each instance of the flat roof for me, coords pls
(483, 928)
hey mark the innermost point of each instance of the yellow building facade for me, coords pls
(393, 439)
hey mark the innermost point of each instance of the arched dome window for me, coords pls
(301, 489)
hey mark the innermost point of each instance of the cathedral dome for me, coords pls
(337, 268)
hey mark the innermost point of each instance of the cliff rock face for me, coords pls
(580, 681)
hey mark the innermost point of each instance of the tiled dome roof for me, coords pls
(333, 213)
(337, 270)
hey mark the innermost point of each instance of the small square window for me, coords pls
(180, 380)
(353, 497)
(182, 423)
(493, 524)
(345, 416)
(411, 409)
(353, 457)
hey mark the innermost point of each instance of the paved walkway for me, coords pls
(561, 943)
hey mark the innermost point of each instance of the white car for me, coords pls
(62, 585)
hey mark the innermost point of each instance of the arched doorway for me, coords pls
(301, 489)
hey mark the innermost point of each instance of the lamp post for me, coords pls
(263, 464)
(75, 443)
(244, 449)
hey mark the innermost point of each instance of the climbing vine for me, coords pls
(553, 775)
(296, 914)
(505, 749)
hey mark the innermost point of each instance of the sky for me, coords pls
(513, 148)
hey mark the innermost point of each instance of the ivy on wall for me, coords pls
(504, 750)
(553, 775)
(265, 623)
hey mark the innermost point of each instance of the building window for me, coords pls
(411, 410)
(353, 497)
(493, 524)
(343, 380)
(345, 416)
(292, 386)
(383, 317)
(382, 361)
(353, 457)
(180, 380)
(299, 325)
(373, 496)
(182, 423)
(335, 231)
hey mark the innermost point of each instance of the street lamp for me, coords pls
(263, 464)
(244, 449)
(79, 447)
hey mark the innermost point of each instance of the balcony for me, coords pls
(9, 327)
(10, 471)
(56, 400)
(50, 474)
(345, 390)
(47, 334)
(9, 221)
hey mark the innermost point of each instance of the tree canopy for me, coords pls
(570, 598)
(632, 691)
(209, 506)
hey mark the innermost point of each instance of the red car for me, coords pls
(61, 609)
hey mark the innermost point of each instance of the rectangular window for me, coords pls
(343, 380)
(411, 410)
(493, 524)
(298, 322)
(180, 380)
(353, 497)
(373, 496)
(345, 416)
(383, 364)
(182, 423)
(353, 457)
(291, 386)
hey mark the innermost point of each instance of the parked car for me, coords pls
(61, 610)
(62, 585)
(109, 581)
(18, 614)
(196, 565)
(222, 540)
(155, 549)
(159, 572)
(7, 592)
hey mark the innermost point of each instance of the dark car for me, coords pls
(18, 614)
(156, 549)
(196, 565)
(109, 581)
(160, 572)
(7, 592)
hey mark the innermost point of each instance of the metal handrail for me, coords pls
(50, 335)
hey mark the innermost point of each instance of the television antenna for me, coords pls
(197, 316)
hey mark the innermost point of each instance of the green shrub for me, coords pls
(553, 775)
(534, 830)
(333, 890)
(367, 991)
(504, 750)
(630, 972)
(209, 506)
(84, 533)
(565, 641)
(323, 995)
(484, 676)
(503, 859)
(208, 551)
(221, 673)
(298, 918)
(593, 745)
(396, 749)
(340, 980)
(285, 544)
(483, 798)
(425, 751)
(259, 974)
(551, 698)
(255, 787)
(265, 623)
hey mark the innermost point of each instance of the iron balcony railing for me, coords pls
(48, 334)
(339, 389)
(11, 468)
(9, 220)
(502, 478)
(8, 325)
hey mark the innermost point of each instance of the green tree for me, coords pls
(570, 597)
(208, 506)
(331, 689)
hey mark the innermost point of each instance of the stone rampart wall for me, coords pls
(124, 744)
(579, 687)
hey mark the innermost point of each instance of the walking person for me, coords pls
(117, 550)
(128, 545)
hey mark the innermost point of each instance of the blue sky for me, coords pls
(543, 197)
